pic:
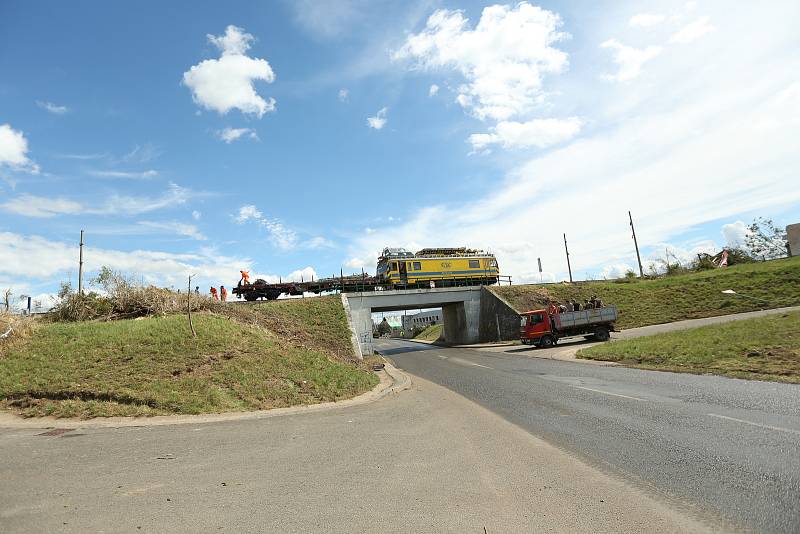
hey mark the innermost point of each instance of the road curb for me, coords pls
(393, 380)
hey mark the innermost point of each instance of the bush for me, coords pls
(123, 298)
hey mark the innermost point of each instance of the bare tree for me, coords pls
(765, 240)
(7, 298)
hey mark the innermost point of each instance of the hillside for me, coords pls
(766, 348)
(243, 358)
(769, 284)
(431, 333)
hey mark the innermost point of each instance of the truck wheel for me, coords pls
(546, 342)
(250, 297)
(601, 334)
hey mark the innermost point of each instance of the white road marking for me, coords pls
(609, 393)
(769, 427)
(467, 362)
(441, 357)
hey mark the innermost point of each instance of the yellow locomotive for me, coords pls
(436, 267)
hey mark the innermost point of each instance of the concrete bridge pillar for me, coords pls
(461, 321)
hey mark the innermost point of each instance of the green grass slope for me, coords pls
(689, 296)
(431, 333)
(259, 357)
(767, 348)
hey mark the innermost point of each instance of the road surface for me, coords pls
(723, 446)
(424, 460)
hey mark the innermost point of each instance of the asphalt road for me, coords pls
(725, 447)
(424, 460)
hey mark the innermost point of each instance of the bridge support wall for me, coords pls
(461, 308)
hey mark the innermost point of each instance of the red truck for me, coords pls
(537, 327)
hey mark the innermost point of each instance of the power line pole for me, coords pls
(569, 267)
(636, 244)
(80, 267)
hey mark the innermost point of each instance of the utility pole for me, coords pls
(189, 306)
(80, 267)
(540, 268)
(636, 244)
(569, 267)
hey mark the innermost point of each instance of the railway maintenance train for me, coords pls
(436, 267)
(397, 269)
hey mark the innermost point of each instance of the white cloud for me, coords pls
(358, 264)
(327, 18)
(14, 150)
(142, 154)
(304, 274)
(629, 59)
(34, 258)
(710, 171)
(43, 207)
(227, 83)
(52, 108)
(126, 174)
(229, 135)
(615, 270)
(83, 157)
(646, 20)
(502, 60)
(693, 31)
(539, 133)
(344, 94)
(379, 120)
(175, 227)
(280, 236)
(196, 215)
(318, 242)
(433, 90)
(735, 233)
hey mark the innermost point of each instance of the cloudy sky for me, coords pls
(302, 137)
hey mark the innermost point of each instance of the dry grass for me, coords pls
(130, 302)
(13, 330)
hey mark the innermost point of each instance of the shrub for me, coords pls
(123, 298)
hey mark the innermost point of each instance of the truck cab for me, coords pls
(536, 325)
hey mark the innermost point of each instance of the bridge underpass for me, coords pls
(469, 314)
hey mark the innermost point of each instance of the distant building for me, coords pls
(422, 319)
(793, 238)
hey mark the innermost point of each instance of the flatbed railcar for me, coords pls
(397, 269)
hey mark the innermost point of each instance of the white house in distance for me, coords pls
(422, 319)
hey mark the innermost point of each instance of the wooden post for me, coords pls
(80, 266)
(189, 306)
(636, 244)
(569, 267)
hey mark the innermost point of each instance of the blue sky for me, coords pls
(302, 137)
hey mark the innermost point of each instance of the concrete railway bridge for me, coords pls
(469, 314)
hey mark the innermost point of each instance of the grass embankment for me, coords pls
(431, 333)
(263, 356)
(689, 296)
(767, 348)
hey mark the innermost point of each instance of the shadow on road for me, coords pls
(576, 343)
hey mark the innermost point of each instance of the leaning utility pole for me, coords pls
(635, 244)
(80, 267)
(189, 306)
(569, 267)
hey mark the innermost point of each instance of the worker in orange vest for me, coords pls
(245, 277)
(214, 293)
(223, 294)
